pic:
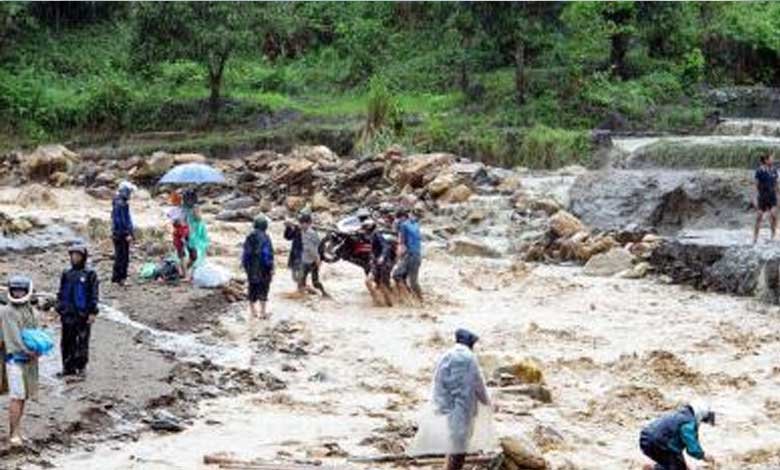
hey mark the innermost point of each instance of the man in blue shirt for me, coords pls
(258, 262)
(766, 200)
(406, 274)
(122, 231)
(664, 439)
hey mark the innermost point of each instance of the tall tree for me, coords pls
(208, 33)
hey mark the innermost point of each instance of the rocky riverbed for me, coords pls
(549, 267)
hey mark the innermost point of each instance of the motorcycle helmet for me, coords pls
(19, 283)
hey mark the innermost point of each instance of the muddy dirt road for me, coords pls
(338, 378)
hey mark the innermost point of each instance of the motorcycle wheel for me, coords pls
(329, 249)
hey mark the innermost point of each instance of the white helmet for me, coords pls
(703, 412)
(23, 283)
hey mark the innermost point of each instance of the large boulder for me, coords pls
(183, 158)
(243, 202)
(292, 171)
(46, 160)
(563, 224)
(664, 200)
(319, 154)
(155, 166)
(320, 202)
(616, 260)
(467, 246)
(522, 454)
(456, 195)
(418, 170)
(441, 184)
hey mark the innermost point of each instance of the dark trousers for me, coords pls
(74, 345)
(314, 270)
(121, 258)
(664, 458)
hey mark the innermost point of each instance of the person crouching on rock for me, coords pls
(258, 262)
(77, 305)
(122, 231)
(664, 439)
(766, 199)
(378, 279)
(19, 363)
(310, 256)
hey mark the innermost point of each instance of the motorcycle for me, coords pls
(346, 242)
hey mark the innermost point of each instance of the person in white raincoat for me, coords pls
(460, 421)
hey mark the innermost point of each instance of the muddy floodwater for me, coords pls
(614, 353)
(328, 380)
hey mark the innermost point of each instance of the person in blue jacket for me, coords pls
(407, 271)
(121, 231)
(258, 262)
(665, 439)
(77, 305)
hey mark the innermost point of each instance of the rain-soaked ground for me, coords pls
(614, 353)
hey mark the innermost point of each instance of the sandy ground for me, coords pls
(615, 353)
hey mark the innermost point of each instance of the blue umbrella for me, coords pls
(192, 173)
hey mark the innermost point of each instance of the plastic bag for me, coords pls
(209, 276)
(433, 433)
(37, 340)
(147, 271)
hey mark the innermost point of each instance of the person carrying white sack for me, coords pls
(460, 420)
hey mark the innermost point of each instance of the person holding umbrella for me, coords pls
(121, 231)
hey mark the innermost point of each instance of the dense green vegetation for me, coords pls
(516, 83)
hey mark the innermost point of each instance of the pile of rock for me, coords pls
(604, 253)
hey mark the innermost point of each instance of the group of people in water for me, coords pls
(391, 276)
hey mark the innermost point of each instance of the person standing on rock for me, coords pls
(19, 374)
(122, 231)
(766, 199)
(407, 272)
(458, 393)
(258, 263)
(77, 305)
(665, 439)
(310, 256)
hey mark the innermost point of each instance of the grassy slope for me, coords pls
(81, 87)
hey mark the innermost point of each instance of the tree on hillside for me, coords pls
(599, 27)
(208, 33)
(13, 20)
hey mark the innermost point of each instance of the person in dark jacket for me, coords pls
(258, 262)
(766, 197)
(77, 305)
(122, 231)
(664, 439)
(378, 280)
(292, 232)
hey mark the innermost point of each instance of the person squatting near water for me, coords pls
(665, 439)
(121, 231)
(766, 197)
(258, 262)
(459, 420)
(77, 305)
(381, 266)
(407, 271)
(19, 368)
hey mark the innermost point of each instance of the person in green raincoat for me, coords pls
(19, 371)
(199, 237)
